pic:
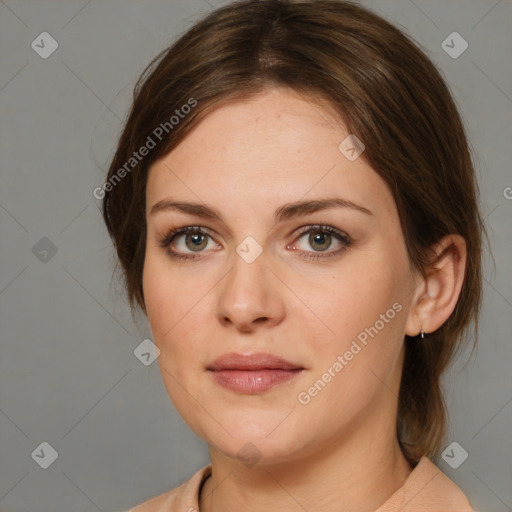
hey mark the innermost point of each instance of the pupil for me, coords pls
(197, 243)
(321, 239)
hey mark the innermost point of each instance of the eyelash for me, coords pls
(339, 235)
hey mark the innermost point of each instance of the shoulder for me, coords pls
(435, 484)
(427, 489)
(183, 498)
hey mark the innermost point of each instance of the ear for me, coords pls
(438, 290)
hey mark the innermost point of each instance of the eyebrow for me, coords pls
(285, 212)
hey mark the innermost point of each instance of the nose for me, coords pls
(250, 296)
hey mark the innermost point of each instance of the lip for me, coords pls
(253, 373)
(257, 361)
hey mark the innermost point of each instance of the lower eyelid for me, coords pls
(312, 255)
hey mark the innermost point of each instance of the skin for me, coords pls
(246, 159)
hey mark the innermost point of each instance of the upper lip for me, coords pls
(258, 361)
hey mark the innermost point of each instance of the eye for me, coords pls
(321, 238)
(182, 243)
(190, 238)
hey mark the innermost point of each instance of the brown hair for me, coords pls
(387, 92)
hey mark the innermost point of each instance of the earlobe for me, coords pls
(440, 286)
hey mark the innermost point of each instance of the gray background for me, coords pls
(68, 373)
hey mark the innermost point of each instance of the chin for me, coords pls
(251, 451)
(262, 438)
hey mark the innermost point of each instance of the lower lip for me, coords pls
(253, 381)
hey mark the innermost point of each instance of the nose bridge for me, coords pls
(247, 280)
(247, 294)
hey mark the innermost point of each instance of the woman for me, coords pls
(294, 208)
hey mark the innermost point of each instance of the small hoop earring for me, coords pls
(422, 333)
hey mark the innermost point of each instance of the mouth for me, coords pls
(253, 373)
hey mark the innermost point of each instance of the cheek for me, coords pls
(364, 309)
(156, 295)
(176, 315)
(171, 317)
(167, 303)
(354, 299)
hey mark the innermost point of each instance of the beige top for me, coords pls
(426, 489)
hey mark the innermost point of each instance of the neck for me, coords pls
(355, 472)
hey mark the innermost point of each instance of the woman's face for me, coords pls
(328, 290)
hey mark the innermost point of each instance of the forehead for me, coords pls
(275, 147)
(272, 120)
